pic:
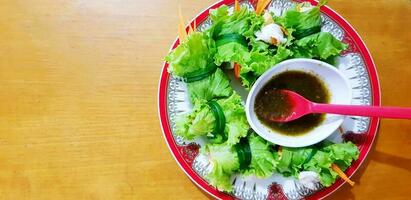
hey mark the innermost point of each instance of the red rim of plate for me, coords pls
(364, 149)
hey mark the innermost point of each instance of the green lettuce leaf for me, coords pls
(303, 18)
(341, 154)
(292, 159)
(260, 62)
(321, 45)
(231, 52)
(263, 161)
(200, 121)
(236, 121)
(317, 158)
(192, 56)
(215, 86)
(321, 164)
(243, 22)
(224, 162)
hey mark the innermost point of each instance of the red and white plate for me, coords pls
(355, 63)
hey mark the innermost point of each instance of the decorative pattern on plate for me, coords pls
(351, 64)
(189, 152)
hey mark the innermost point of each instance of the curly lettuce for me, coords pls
(217, 85)
(292, 159)
(224, 163)
(341, 154)
(201, 121)
(321, 45)
(193, 55)
(251, 157)
(241, 25)
(259, 63)
(263, 161)
(304, 18)
(319, 159)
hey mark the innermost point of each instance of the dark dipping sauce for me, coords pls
(270, 103)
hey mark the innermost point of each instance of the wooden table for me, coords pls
(78, 99)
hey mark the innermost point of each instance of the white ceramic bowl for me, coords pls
(338, 88)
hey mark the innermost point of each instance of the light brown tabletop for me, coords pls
(78, 99)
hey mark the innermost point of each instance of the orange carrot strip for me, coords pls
(264, 4)
(181, 35)
(237, 68)
(342, 174)
(236, 6)
(257, 8)
(181, 29)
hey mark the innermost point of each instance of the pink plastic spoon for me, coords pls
(300, 106)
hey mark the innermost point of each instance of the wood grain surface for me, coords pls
(78, 99)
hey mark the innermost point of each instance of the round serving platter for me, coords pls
(355, 63)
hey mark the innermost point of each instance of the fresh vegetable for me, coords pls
(230, 33)
(224, 162)
(237, 6)
(213, 86)
(251, 157)
(225, 23)
(251, 43)
(322, 159)
(237, 69)
(261, 5)
(192, 57)
(321, 45)
(261, 62)
(182, 34)
(341, 154)
(341, 174)
(292, 160)
(231, 51)
(304, 18)
(263, 161)
(202, 121)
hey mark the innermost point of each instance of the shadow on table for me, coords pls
(394, 160)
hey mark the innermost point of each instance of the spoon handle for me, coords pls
(359, 110)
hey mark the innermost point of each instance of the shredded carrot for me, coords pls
(342, 174)
(257, 8)
(181, 35)
(236, 6)
(284, 30)
(195, 25)
(181, 29)
(261, 5)
(237, 68)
